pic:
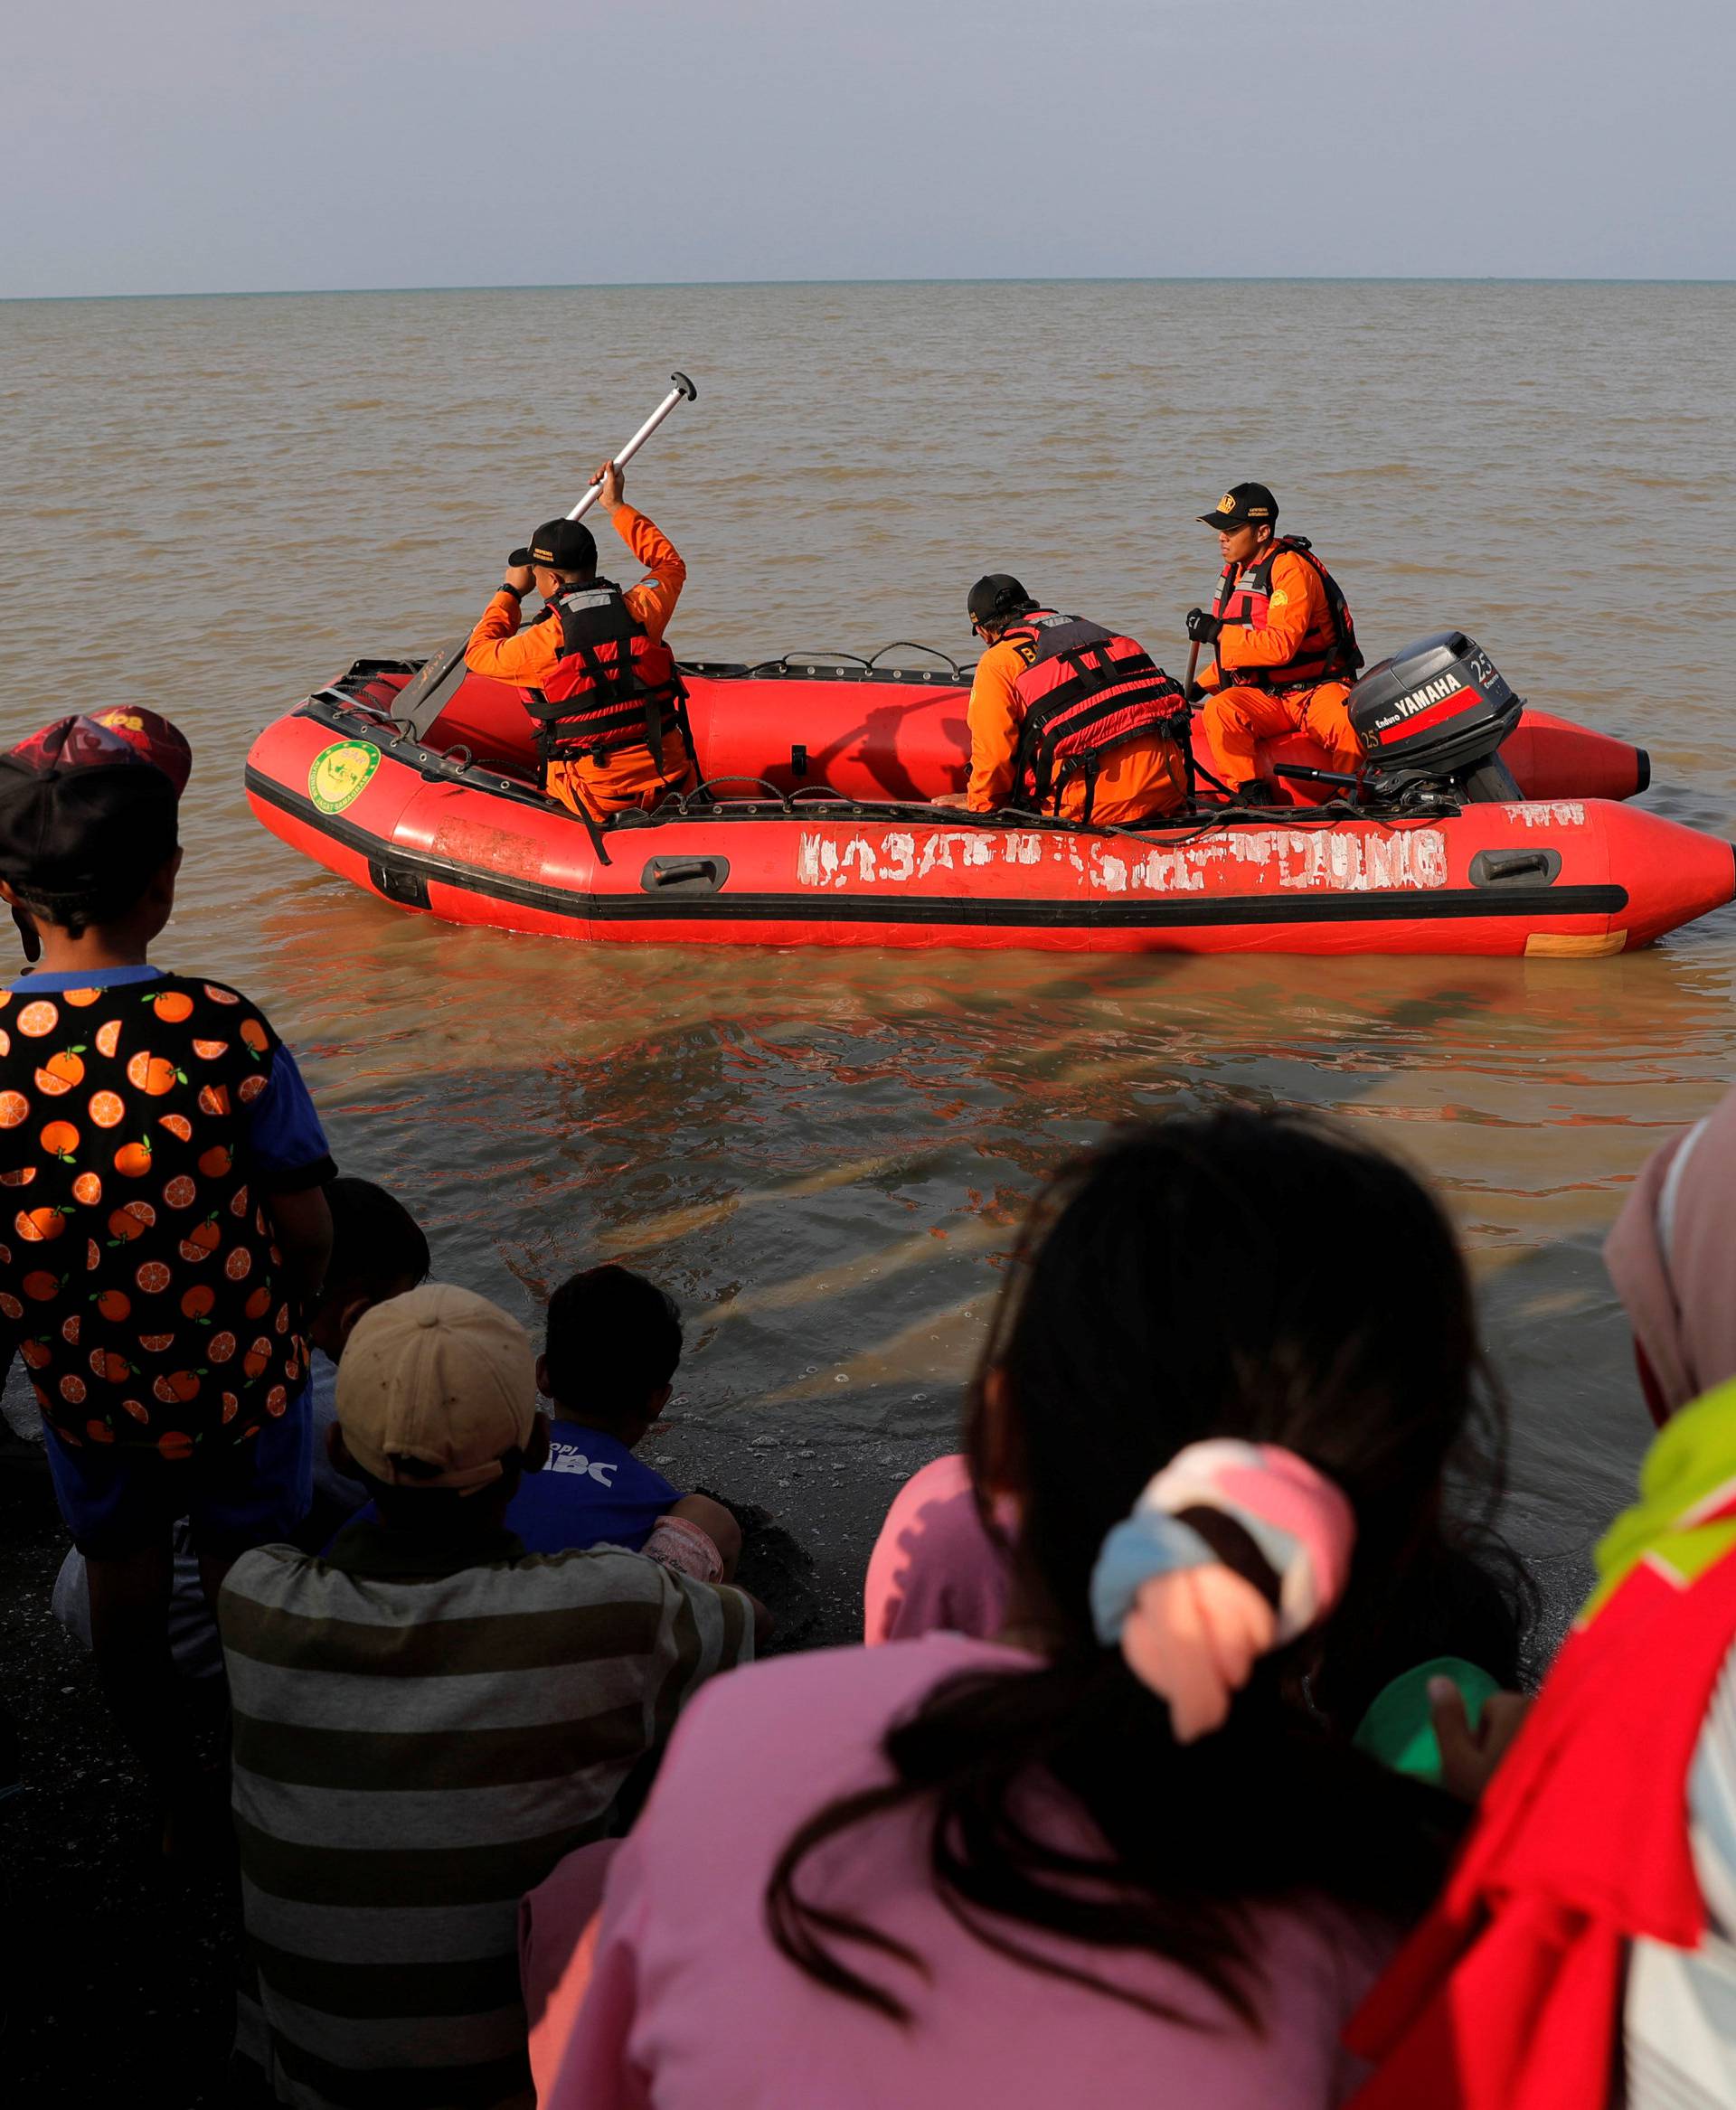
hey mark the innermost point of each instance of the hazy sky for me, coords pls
(220, 145)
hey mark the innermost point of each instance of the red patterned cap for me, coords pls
(122, 734)
(86, 807)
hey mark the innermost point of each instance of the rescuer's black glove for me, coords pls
(1203, 628)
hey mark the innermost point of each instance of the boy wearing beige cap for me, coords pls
(427, 1720)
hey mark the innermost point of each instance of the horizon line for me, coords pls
(1067, 278)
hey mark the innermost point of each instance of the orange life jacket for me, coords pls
(1328, 652)
(1084, 692)
(613, 686)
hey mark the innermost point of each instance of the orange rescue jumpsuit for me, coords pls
(1238, 717)
(631, 777)
(1144, 777)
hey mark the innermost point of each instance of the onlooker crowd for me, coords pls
(1183, 1761)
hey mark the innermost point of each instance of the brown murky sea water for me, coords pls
(217, 503)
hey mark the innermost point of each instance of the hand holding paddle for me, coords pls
(1198, 634)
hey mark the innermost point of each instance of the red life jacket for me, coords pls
(1085, 691)
(1328, 652)
(613, 686)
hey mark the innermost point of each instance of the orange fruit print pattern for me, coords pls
(125, 1111)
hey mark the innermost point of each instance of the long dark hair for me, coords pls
(1229, 1274)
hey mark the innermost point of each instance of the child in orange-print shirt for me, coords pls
(162, 1219)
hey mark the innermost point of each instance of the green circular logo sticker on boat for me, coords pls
(340, 774)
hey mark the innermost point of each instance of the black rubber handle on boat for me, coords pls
(685, 386)
(1304, 774)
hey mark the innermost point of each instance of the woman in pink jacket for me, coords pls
(1124, 1854)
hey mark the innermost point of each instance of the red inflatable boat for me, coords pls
(1499, 832)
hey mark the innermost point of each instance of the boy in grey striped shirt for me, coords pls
(428, 1719)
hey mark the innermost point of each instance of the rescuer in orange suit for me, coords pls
(603, 762)
(1285, 644)
(1138, 777)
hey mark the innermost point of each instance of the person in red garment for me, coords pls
(592, 666)
(1285, 646)
(1584, 1951)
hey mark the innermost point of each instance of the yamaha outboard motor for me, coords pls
(1436, 713)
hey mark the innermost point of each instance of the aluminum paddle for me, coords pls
(682, 391)
(410, 706)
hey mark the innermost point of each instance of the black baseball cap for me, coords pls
(995, 597)
(563, 545)
(1243, 505)
(84, 814)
